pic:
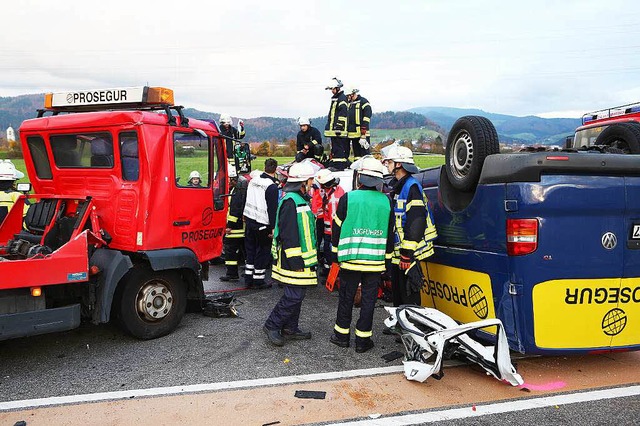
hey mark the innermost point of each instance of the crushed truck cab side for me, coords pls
(114, 171)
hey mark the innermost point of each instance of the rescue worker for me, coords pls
(323, 204)
(336, 127)
(362, 237)
(234, 236)
(359, 122)
(308, 141)
(260, 217)
(8, 193)
(294, 252)
(230, 133)
(414, 227)
(194, 179)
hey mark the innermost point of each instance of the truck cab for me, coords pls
(112, 167)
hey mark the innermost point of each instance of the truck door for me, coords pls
(568, 285)
(199, 173)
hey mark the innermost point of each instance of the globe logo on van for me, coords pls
(478, 301)
(614, 322)
(609, 240)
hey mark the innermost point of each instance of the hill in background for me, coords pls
(414, 124)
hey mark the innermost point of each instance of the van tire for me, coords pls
(151, 303)
(470, 140)
(624, 136)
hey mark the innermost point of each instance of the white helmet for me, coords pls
(303, 121)
(8, 171)
(194, 174)
(232, 171)
(324, 176)
(300, 172)
(225, 119)
(334, 83)
(351, 91)
(370, 171)
(401, 155)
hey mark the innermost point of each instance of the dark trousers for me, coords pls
(326, 251)
(339, 149)
(349, 281)
(286, 313)
(233, 249)
(402, 293)
(358, 150)
(257, 246)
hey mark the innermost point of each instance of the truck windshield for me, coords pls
(587, 137)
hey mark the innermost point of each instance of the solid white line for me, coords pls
(206, 387)
(497, 408)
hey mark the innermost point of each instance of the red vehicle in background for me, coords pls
(116, 228)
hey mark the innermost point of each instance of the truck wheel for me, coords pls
(624, 136)
(470, 140)
(152, 303)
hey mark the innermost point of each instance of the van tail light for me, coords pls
(522, 236)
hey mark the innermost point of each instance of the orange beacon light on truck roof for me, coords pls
(137, 97)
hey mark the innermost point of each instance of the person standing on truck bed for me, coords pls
(308, 141)
(8, 193)
(336, 127)
(414, 227)
(295, 257)
(362, 237)
(358, 123)
(230, 133)
(260, 217)
(234, 237)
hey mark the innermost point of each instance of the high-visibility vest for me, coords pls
(423, 248)
(256, 205)
(364, 231)
(306, 250)
(359, 116)
(337, 119)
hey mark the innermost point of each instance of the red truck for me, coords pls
(614, 129)
(116, 229)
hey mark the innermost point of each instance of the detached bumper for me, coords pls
(39, 322)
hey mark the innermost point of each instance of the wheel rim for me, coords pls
(154, 301)
(461, 155)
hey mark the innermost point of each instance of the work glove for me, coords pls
(405, 262)
(364, 143)
(415, 280)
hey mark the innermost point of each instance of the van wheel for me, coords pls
(152, 303)
(624, 136)
(470, 140)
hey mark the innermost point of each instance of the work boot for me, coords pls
(296, 334)
(390, 331)
(364, 345)
(343, 343)
(274, 336)
(227, 278)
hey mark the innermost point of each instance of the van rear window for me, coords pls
(82, 150)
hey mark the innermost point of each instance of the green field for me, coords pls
(187, 164)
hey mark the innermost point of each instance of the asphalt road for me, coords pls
(202, 350)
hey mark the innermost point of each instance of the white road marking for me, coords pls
(206, 387)
(497, 408)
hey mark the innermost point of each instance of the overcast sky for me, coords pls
(557, 58)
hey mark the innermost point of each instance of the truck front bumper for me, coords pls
(39, 322)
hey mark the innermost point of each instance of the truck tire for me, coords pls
(624, 136)
(470, 140)
(151, 303)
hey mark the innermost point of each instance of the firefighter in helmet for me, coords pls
(308, 141)
(234, 237)
(230, 133)
(414, 227)
(336, 127)
(295, 257)
(362, 237)
(8, 193)
(359, 122)
(195, 179)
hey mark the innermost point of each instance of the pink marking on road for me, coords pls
(544, 387)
